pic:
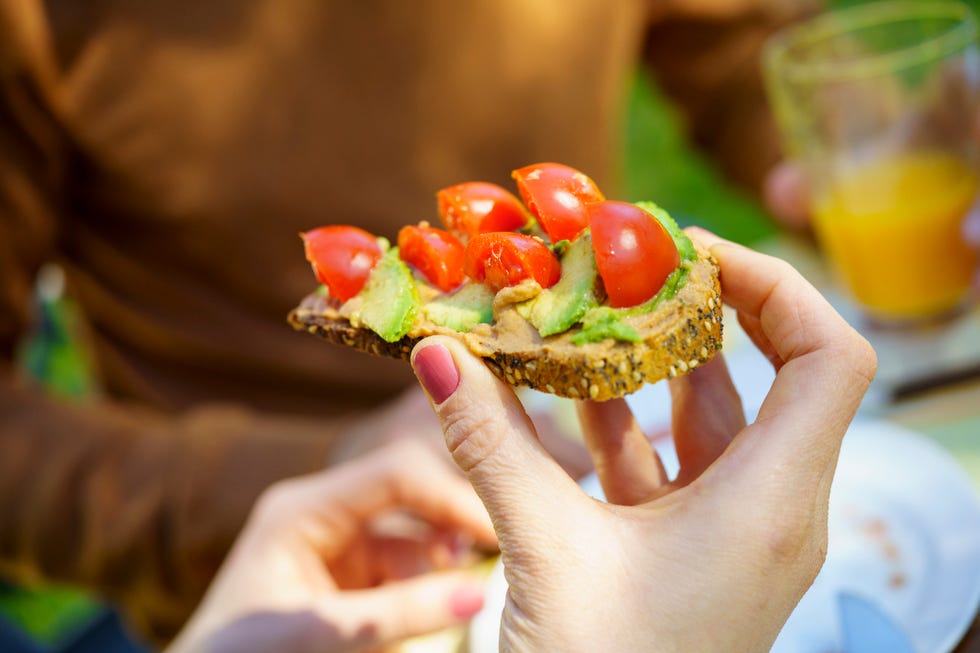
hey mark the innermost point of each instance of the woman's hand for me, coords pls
(332, 562)
(713, 561)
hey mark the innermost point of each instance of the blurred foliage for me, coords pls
(662, 167)
(49, 615)
(52, 355)
(841, 4)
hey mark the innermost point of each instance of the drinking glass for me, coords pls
(880, 105)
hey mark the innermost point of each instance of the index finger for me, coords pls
(828, 365)
(333, 505)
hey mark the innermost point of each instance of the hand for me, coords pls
(313, 572)
(713, 561)
(787, 196)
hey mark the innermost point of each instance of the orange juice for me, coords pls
(893, 230)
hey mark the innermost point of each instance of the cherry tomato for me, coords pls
(557, 196)
(505, 258)
(342, 258)
(633, 251)
(437, 254)
(478, 207)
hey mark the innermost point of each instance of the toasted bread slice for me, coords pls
(680, 334)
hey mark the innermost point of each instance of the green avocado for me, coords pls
(466, 307)
(557, 308)
(391, 299)
(685, 248)
(604, 322)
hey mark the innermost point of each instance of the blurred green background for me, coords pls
(689, 187)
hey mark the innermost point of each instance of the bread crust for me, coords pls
(681, 334)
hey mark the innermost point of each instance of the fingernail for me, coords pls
(466, 601)
(436, 371)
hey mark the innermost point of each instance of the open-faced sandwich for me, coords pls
(567, 292)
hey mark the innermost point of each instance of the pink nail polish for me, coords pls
(436, 371)
(466, 601)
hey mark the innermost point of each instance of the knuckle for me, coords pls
(858, 359)
(472, 437)
(793, 538)
(275, 500)
(865, 358)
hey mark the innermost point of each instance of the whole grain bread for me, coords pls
(682, 333)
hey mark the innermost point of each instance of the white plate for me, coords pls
(904, 533)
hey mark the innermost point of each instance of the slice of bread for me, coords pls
(682, 333)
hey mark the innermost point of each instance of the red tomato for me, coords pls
(557, 196)
(437, 254)
(477, 207)
(342, 258)
(505, 258)
(633, 251)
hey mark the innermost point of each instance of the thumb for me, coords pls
(374, 618)
(492, 439)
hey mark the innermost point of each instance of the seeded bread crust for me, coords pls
(683, 333)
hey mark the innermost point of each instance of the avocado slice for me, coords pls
(557, 308)
(466, 307)
(685, 248)
(391, 299)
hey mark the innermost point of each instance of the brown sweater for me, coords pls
(167, 153)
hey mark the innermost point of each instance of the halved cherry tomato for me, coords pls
(505, 258)
(478, 207)
(342, 258)
(633, 251)
(557, 196)
(437, 254)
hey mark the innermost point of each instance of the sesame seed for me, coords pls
(599, 364)
(593, 391)
(711, 302)
(573, 391)
(532, 366)
(693, 363)
(585, 383)
(682, 366)
(672, 372)
(704, 352)
(637, 377)
(623, 367)
(517, 374)
(550, 388)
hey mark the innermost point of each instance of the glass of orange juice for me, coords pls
(881, 104)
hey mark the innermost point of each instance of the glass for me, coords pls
(880, 104)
